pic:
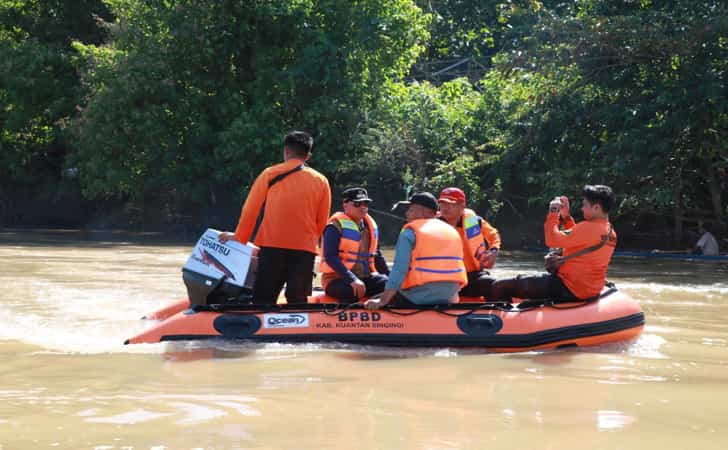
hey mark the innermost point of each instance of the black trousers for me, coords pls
(480, 284)
(530, 287)
(278, 266)
(340, 288)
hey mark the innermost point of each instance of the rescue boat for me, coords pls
(219, 306)
(501, 327)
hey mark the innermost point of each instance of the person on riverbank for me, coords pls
(587, 250)
(707, 244)
(480, 240)
(350, 251)
(428, 261)
(295, 201)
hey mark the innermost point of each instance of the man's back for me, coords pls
(296, 208)
(708, 244)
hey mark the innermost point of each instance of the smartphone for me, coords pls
(557, 208)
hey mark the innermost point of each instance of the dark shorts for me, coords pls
(279, 266)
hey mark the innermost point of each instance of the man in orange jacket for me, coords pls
(481, 241)
(295, 201)
(352, 266)
(428, 260)
(582, 276)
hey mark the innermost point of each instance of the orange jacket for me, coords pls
(437, 255)
(477, 236)
(583, 275)
(296, 208)
(349, 243)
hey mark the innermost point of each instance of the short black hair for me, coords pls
(299, 142)
(707, 226)
(601, 194)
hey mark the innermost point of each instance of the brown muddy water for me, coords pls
(67, 304)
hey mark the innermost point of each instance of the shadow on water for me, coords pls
(221, 349)
(187, 351)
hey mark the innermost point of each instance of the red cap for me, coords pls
(452, 195)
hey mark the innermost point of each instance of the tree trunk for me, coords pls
(678, 213)
(715, 195)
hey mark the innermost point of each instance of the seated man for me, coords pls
(480, 241)
(707, 244)
(428, 261)
(350, 252)
(590, 243)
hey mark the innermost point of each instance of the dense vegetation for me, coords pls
(158, 113)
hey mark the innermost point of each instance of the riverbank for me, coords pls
(57, 236)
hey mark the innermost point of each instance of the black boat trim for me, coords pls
(449, 340)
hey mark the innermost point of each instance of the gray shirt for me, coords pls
(708, 244)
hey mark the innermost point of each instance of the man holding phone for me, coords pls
(587, 250)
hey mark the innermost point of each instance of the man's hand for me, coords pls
(376, 303)
(565, 207)
(487, 259)
(225, 236)
(358, 287)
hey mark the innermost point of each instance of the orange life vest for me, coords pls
(472, 238)
(349, 243)
(437, 255)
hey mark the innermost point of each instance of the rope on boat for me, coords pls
(332, 309)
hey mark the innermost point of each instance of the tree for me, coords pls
(633, 95)
(39, 89)
(193, 97)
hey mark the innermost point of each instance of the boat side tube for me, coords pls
(499, 327)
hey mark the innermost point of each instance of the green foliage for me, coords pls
(423, 137)
(39, 87)
(197, 95)
(188, 100)
(462, 28)
(637, 101)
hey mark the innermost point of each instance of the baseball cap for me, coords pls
(452, 195)
(421, 198)
(356, 194)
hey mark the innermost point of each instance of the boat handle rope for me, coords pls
(527, 305)
(504, 306)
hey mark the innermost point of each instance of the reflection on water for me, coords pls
(68, 382)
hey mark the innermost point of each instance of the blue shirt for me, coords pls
(427, 294)
(332, 238)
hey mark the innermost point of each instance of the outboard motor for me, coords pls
(219, 273)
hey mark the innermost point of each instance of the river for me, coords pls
(68, 301)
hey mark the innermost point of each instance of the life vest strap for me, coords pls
(421, 269)
(426, 258)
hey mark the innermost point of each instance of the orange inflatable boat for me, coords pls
(219, 279)
(502, 327)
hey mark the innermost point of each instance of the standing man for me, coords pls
(428, 261)
(480, 240)
(350, 249)
(295, 200)
(587, 250)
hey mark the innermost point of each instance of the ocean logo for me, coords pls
(207, 258)
(285, 320)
